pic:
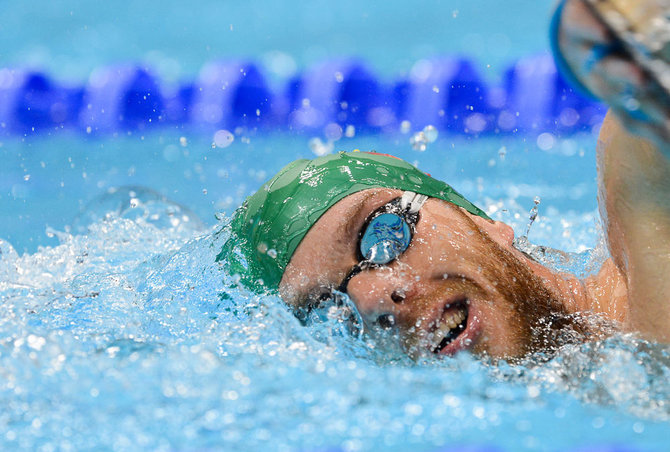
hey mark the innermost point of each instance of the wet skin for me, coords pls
(515, 305)
(455, 260)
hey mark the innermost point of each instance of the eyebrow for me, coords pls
(351, 220)
(352, 215)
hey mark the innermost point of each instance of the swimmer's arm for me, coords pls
(634, 198)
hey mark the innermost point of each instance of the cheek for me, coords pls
(504, 333)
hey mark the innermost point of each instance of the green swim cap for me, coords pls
(269, 226)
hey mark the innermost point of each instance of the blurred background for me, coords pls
(71, 38)
(95, 96)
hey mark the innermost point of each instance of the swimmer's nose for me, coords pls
(380, 299)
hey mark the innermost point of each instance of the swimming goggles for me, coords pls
(385, 235)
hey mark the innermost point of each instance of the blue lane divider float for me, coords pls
(537, 97)
(448, 93)
(231, 94)
(30, 102)
(344, 92)
(121, 98)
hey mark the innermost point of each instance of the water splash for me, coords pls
(132, 336)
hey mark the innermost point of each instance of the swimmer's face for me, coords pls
(459, 286)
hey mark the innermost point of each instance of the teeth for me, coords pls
(449, 321)
(453, 319)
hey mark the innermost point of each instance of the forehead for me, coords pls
(329, 248)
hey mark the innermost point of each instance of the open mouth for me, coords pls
(449, 327)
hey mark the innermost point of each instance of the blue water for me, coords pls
(119, 332)
(124, 333)
(47, 182)
(70, 38)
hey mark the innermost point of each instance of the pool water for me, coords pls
(124, 334)
(118, 331)
(71, 38)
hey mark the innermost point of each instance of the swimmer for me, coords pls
(416, 257)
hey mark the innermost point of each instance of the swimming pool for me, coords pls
(120, 332)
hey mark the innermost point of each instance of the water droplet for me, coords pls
(223, 138)
(546, 141)
(386, 321)
(272, 253)
(36, 342)
(415, 180)
(405, 126)
(533, 214)
(632, 104)
(430, 132)
(333, 131)
(320, 148)
(475, 123)
(502, 152)
(418, 141)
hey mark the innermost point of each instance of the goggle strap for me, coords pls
(411, 202)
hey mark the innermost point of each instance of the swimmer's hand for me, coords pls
(598, 60)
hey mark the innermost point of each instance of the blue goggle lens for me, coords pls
(386, 237)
